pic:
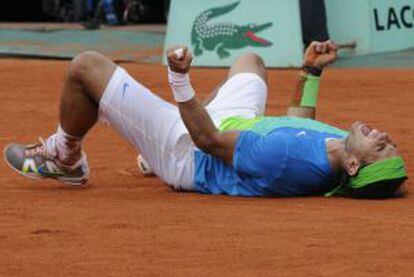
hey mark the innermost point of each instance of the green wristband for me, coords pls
(310, 91)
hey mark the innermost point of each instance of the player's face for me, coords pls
(368, 144)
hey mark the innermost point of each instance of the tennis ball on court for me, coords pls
(144, 167)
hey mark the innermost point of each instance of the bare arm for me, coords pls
(317, 56)
(295, 108)
(203, 132)
(194, 115)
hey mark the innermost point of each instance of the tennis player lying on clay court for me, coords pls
(226, 146)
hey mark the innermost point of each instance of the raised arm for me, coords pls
(198, 122)
(317, 56)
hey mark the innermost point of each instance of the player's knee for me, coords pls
(83, 65)
(252, 58)
(249, 62)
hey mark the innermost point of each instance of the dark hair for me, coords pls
(377, 190)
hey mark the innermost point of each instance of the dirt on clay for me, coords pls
(122, 224)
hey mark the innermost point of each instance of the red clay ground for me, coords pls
(125, 225)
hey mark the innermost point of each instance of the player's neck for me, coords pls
(336, 153)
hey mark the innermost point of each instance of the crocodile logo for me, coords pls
(221, 37)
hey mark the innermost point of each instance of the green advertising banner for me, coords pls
(375, 25)
(218, 31)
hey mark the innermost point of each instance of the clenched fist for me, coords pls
(320, 54)
(179, 59)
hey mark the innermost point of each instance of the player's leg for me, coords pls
(153, 126)
(244, 93)
(97, 88)
(88, 75)
(247, 63)
(60, 156)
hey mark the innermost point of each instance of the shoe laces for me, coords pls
(37, 149)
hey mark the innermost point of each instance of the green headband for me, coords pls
(388, 169)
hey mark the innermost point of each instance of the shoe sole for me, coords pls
(75, 182)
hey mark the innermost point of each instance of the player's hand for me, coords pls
(179, 59)
(320, 54)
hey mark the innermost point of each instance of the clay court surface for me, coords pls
(123, 224)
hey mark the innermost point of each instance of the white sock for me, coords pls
(65, 147)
